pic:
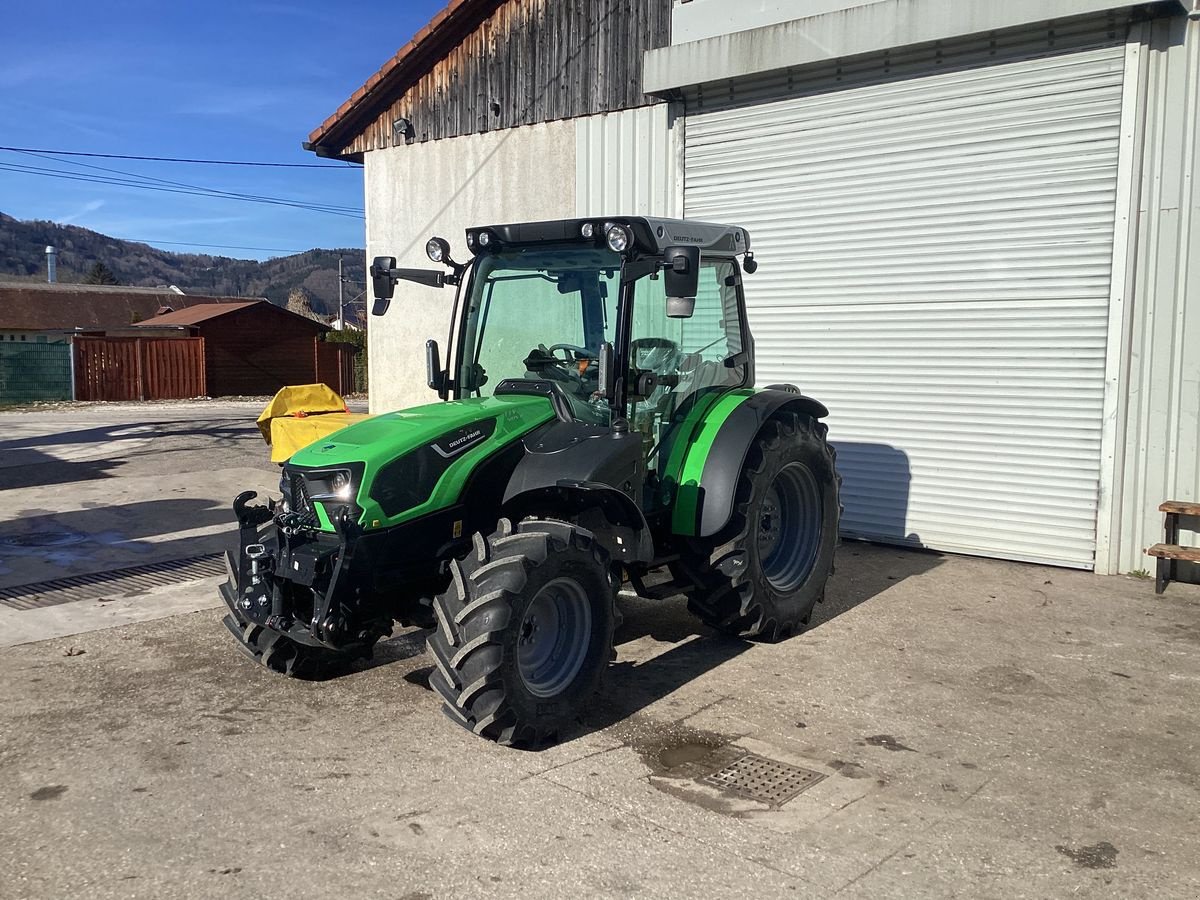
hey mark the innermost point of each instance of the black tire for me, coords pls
(498, 675)
(747, 584)
(285, 656)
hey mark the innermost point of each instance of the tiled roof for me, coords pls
(39, 306)
(194, 315)
(410, 62)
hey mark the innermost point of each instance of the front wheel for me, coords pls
(524, 631)
(762, 574)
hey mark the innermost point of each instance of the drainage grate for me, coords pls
(111, 585)
(765, 780)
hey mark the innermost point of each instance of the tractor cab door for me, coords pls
(693, 361)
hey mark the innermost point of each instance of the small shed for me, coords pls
(251, 348)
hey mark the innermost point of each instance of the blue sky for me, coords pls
(215, 80)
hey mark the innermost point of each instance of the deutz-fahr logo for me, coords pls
(686, 239)
(458, 442)
(454, 443)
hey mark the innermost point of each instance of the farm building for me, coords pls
(977, 223)
(256, 347)
(77, 341)
(40, 312)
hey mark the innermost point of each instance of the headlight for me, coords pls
(617, 237)
(438, 249)
(587, 230)
(337, 484)
(485, 238)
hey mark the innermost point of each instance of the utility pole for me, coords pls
(341, 309)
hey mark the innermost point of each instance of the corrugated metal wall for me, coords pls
(628, 163)
(936, 255)
(1161, 417)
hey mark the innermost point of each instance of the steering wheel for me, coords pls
(580, 352)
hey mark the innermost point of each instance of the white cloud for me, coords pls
(90, 207)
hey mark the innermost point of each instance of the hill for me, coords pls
(23, 256)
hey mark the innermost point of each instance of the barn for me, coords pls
(977, 223)
(254, 348)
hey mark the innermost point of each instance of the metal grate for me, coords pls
(765, 780)
(110, 585)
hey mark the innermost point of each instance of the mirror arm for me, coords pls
(427, 277)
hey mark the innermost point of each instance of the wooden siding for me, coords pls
(257, 350)
(139, 368)
(335, 365)
(530, 61)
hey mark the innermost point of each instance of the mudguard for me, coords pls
(586, 473)
(707, 475)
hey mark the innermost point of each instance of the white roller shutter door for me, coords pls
(935, 263)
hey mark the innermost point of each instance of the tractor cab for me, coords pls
(631, 321)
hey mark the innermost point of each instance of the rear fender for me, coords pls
(704, 504)
(615, 520)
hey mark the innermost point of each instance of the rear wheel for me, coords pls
(762, 574)
(524, 631)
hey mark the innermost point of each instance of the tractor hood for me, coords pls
(405, 464)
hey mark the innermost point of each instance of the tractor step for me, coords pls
(661, 590)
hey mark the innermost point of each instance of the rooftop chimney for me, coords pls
(51, 265)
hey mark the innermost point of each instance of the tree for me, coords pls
(301, 304)
(100, 274)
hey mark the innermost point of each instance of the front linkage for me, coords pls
(295, 601)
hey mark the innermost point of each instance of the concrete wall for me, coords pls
(848, 30)
(442, 187)
(695, 20)
(1159, 418)
(627, 162)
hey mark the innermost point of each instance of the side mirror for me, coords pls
(434, 376)
(606, 370)
(681, 280)
(382, 283)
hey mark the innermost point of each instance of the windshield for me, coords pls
(541, 313)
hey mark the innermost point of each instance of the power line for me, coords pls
(345, 212)
(196, 187)
(175, 159)
(211, 246)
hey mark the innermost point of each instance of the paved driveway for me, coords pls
(969, 727)
(97, 487)
(983, 729)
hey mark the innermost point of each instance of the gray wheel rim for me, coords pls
(554, 637)
(789, 527)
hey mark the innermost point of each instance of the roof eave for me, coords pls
(428, 46)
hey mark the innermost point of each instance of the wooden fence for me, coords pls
(108, 368)
(335, 366)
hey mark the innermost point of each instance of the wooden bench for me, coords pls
(1170, 551)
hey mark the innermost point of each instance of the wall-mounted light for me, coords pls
(402, 131)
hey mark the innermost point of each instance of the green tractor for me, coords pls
(598, 422)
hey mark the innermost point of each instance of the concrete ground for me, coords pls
(984, 729)
(94, 487)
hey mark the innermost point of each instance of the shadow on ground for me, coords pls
(37, 461)
(864, 572)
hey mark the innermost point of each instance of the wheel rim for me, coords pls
(789, 527)
(554, 637)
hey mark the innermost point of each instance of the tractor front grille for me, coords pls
(302, 504)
